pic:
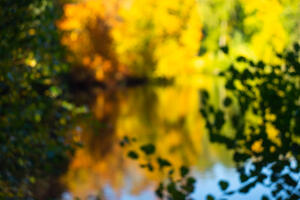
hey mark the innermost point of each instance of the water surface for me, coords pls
(166, 116)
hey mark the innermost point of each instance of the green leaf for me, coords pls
(210, 197)
(55, 91)
(191, 180)
(150, 167)
(219, 121)
(227, 102)
(67, 105)
(223, 185)
(204, 94)
(163, 163)
(225, 49)
(296, 47)
(133, 155)
(241, 59)
(243, 178)
(124, 141)
(230, 85)
(264, 197)
(171, 187)
(184, 171)
(32, 179)
(159, 190)
(238, 157)
(289, 180)
(247, 187)
(148, 149)
(261, 64)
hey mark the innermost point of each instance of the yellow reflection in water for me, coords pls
(166, 117)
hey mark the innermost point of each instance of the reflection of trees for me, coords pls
(168, 118)
(264, 115)
(100, 162)
(102, 128)
(146, 114)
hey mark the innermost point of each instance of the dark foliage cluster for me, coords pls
(259, 97)
(33, 106)
(172, 188)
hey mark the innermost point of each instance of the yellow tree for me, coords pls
(257, 28)
(162, 37)
(146, 36)
(87, 34)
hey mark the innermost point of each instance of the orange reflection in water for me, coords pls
(167, 117)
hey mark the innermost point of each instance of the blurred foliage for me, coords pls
(178, 39)
(159, 37)
(242, 25)
(130, 37)
(262, 107)
(120, 38)
(87, 34)
(175, 184)
(33, 104)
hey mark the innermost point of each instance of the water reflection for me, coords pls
(262, 105)
(167, 117)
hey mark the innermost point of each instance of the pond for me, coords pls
(88, 111)
(166, 116)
